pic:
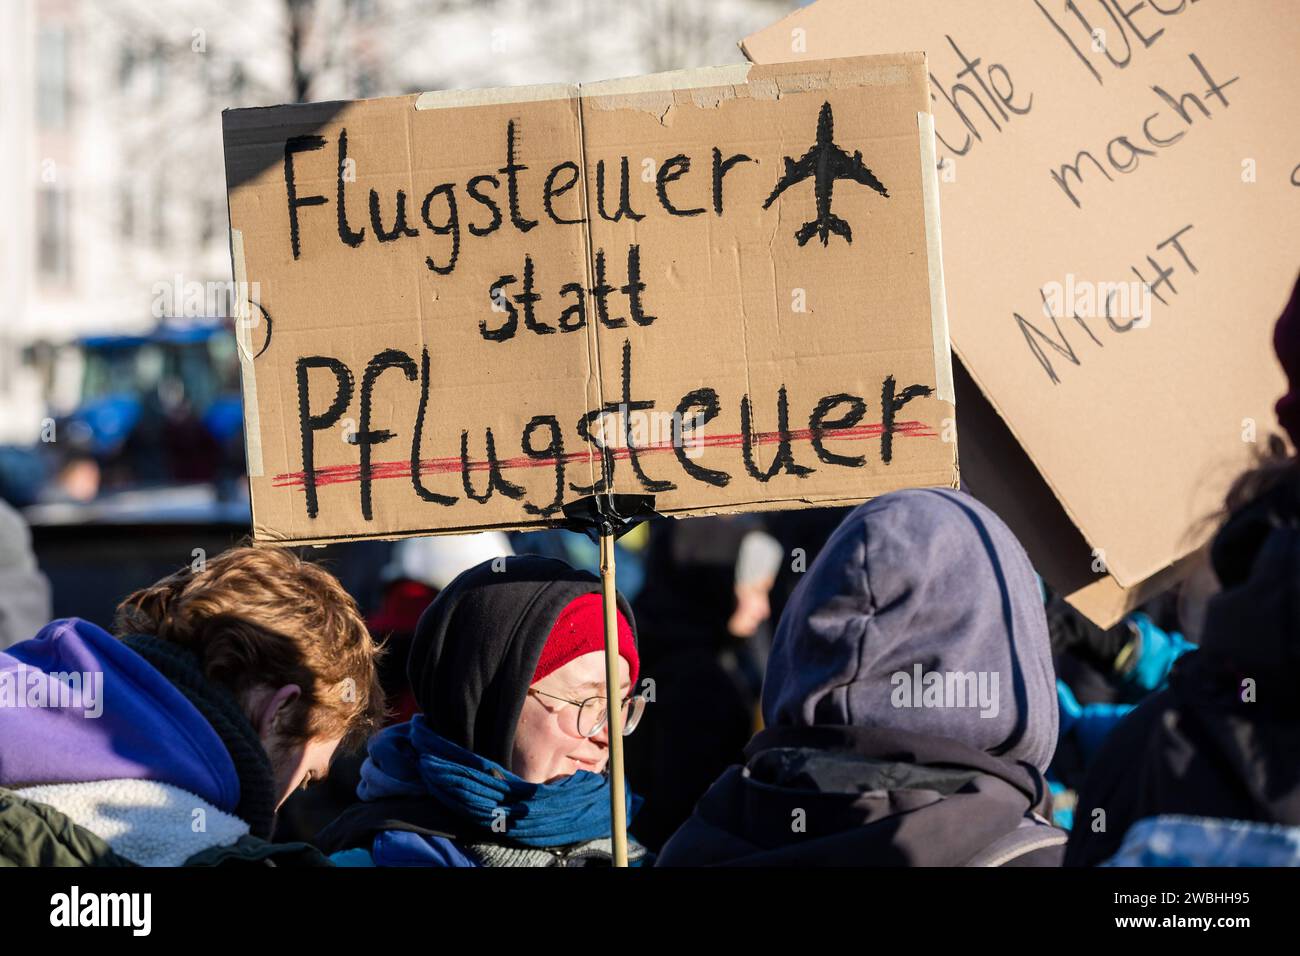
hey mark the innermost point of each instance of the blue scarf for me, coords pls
(411, 760)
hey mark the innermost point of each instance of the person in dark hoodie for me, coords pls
(505, 763)
(909, 702)
(225, 688)
(1207, 771)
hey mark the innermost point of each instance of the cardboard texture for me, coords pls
(719, 287)
(1092, 151)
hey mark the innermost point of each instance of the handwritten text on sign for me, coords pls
(727, 290)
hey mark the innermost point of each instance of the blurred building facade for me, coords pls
(110, 112)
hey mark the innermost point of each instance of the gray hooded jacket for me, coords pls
(910, 704)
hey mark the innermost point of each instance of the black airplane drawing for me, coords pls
(826, 163)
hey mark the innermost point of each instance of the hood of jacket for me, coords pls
(78, 705)
(922, 614)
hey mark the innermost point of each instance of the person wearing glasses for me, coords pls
(504, 765)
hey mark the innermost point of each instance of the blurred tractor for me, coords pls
(158, 408)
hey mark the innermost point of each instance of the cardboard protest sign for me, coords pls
(1119, 180)
(465, 309)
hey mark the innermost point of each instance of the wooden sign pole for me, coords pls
(613, 691)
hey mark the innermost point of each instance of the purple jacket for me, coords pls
(125, 720)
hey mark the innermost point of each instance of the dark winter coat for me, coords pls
(857, 769)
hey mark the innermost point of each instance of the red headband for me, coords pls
(580, 629)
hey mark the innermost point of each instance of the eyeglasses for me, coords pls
(593, 713)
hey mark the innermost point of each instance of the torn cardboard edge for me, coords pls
(710, 86)
(733, 74)
(496, 95)
(633, 86)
